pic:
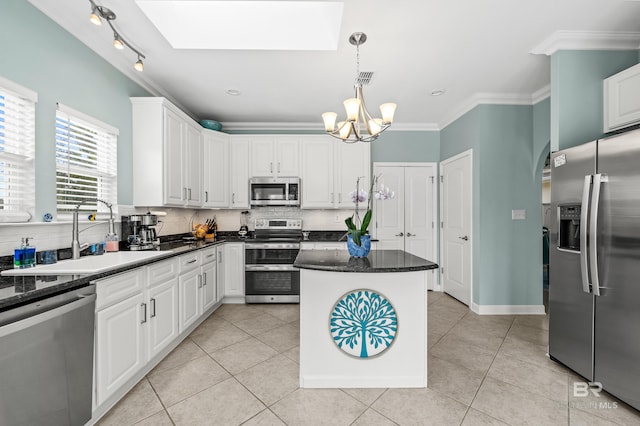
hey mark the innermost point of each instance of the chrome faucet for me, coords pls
(76, 247)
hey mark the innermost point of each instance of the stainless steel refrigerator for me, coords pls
(594, 265)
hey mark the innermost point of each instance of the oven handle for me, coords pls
(250, 246)
(269, 268)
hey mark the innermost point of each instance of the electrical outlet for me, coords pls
(336, 219)
(518, 214)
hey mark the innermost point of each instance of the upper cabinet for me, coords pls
(215, 169)
(239, 174)
(167, 155)
(622, 99)
(276, 155)
(330, 169)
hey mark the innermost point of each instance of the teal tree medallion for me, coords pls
(363, 323)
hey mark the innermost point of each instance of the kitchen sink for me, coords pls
(88, 265)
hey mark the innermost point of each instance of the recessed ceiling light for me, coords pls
(233, 92)
(438, 92)
(246, 25)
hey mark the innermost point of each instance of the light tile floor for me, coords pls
(241, 367)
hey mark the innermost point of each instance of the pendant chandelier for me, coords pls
(359, 126)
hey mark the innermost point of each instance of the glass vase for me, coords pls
(359, 250)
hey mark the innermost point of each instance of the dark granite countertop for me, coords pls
(376, 261)
(20, 290)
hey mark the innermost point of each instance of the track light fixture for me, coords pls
(98, 13)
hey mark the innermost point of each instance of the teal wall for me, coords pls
(576, 93)
(60, 68)
(507, 253)
(541, 134)
(407, 146)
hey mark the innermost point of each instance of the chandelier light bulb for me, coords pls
(344, 128)
(352, 106)
(139, 66)
(329, 119)
(375, 126)
(388, 110)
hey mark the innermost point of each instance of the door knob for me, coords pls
(409, 234)
(464, 238)
(400, 234)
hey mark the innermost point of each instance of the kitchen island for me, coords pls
(363, 321)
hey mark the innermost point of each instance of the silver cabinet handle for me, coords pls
(466, 238)
(409, 234)
(200, 281)
(584, 217)
(233, 198)
(192, 261)
(278, 167)
(204, 279)
(189, 194)
(153, 308)
(144, 313)
(206, 196)
(271, 167)
(400, 234)
(210, 255)
(593, 231)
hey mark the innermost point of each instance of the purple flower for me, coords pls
(360, 196)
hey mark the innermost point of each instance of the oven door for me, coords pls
(272, 284)
(271, 253)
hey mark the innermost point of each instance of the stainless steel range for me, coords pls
(269, 273)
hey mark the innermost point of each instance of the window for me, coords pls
(17, 152)
(86, 162)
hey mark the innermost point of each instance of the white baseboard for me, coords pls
(508, 309)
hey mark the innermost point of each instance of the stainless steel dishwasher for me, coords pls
(46, 360)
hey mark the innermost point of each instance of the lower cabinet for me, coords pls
(234, 272)
(209, 278)
(220, 272)
(190, 284)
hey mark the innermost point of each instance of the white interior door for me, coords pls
(456, 214)
(419, 214)
(389, 214)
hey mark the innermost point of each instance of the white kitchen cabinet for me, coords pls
(120, 346)
(273, 156)
(189, 288)
(239, 172)
(167, 155)
(330, 169)
(407, 222)
(162, 299)
(622, 99)
(208, 278)
(317, 172)
(234, 272)
(215, 169)
(220, 272)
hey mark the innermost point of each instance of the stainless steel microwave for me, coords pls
(280, 191)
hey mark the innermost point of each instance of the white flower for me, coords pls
(384, 193)
(360, 196)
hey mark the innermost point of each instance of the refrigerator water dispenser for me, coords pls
(569, 227)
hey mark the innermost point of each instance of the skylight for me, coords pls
(246, 25)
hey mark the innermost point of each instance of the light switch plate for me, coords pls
(518, 214)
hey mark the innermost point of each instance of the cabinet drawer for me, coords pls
(119, 287)
(208, 255)
(189, 261)
(161, 272)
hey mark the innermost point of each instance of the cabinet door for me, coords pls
(208, 273)
(234, 270)
(262, 157)
(287, 157)
(189, 285)
(622, 99)
(193, 166)
(352, 162)
(120, 351)
(317, 173)
(215, 169)
(163, 315)
(174, 184)
(389, 214)
(220, 273)
(239, 173)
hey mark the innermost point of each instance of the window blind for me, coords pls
(17, 152)
(86, 162)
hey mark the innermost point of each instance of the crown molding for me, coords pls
(541, 94)
(317, 126)
(587, 40)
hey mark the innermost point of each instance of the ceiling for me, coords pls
(476, 50)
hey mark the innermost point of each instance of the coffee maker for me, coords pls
(140, 232)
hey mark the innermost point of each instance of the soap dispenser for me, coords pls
(25, 255)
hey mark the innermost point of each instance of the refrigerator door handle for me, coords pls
(584, 216)
(593, 228)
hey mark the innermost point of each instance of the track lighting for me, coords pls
(139, 66)
(98, 13)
